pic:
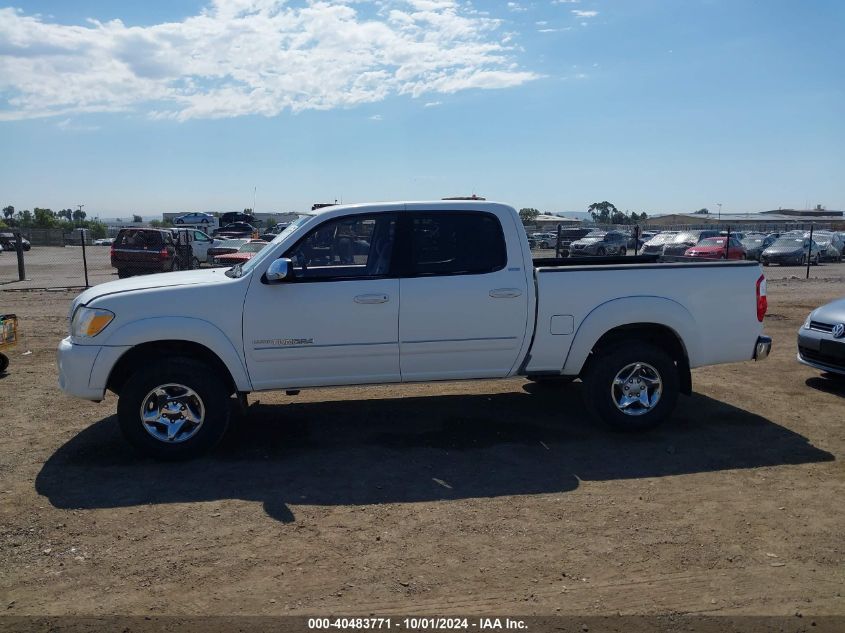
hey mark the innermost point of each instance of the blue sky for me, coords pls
(655, 105)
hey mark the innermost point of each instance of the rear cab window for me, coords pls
(454, 243)
(139, 239)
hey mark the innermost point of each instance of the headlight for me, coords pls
(88, 322)
(806, 325)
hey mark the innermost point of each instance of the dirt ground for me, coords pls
(457, 498)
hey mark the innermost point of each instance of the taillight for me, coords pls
(762, 302)
(162, 253)
(111, 251)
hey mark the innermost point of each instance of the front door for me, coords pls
(336, 323)
(464, 311)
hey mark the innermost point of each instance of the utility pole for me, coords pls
(719, 204)
(80, 213)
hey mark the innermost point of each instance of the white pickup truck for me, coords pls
(404, 292)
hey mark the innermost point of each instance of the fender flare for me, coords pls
(615, 313)
(184, 329)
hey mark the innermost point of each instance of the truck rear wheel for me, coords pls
(174, 409)
(633, 386)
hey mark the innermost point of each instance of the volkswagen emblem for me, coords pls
(838, 330)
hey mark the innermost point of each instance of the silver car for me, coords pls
(821, 340)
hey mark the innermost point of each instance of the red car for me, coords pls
(243, 254)
(714, 248)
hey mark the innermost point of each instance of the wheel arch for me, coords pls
(142, 353)
(657, 320)
(170, 336)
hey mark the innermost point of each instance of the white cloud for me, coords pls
(376, 117)
(433, 104)
(584, 14)
(541, 23)
(241, 57)
(516, 7)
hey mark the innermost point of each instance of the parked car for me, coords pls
(175, 348)
(236, 229)
(655, 245)
(236, 216)
(545, 240)
(139, 250)
(532, 243)
(756, 244)
(104, 241)
(714, 248)
(679, 244)
(821, 340)
(224, 247)
(567, 236)
(791, 250)
(737, 234)
(243, 254)
(600, 243)
(201, 243)
(830, 246)
(195, 218)
(8, 241)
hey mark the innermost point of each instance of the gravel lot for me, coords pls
(483, 497)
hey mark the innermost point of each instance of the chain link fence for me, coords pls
(50, 258)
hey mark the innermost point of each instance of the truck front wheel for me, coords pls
(633, 386)
(175, 408)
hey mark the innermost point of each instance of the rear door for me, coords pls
(463, 310)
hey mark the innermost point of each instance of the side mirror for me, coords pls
(280, 270)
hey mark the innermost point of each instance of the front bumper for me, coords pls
(84, 369)
(821, 351)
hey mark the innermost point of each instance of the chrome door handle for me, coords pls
(372, 299)
(505, 293)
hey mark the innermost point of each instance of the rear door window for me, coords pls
(455, 243)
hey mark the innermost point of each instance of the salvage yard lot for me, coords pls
(481, 497)
(61, 267)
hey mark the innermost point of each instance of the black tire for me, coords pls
(765, 263)
(4, 363)
(815, 262)
(602, 370)
(123, 273)
(803, 260)
(195, 263)
(180, 221)
(208, 386)
(601, 252)
(623, 251)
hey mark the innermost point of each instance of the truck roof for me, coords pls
(409, 205)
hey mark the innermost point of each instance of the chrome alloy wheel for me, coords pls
(172, 413)
(636, 389)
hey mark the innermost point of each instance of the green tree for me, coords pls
(8, 212)
(67, 214)
(528, 214)
(137, 219)
(98, 229)
(79, 215)
(25, 218)
(704, 211)
(44, 218)
(602, 212)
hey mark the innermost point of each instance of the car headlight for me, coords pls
(806, 325)
(88, 322)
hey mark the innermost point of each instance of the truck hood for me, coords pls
(149, 282)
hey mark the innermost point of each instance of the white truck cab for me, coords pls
(403, 292)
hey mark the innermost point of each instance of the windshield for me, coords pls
(242, 269)
(794, 242)
(252, 247)
(661, 238)
(712, 241)
(685, 237)
(753, 241)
